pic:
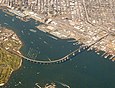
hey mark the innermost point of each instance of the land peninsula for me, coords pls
(9, 62)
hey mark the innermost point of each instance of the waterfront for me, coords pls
(87, 70)
(8, 61)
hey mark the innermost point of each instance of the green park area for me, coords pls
(8, 63)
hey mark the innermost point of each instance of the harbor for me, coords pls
(83, 67)
(81, 29)
(86, 70)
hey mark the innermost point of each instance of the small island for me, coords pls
(9, 62)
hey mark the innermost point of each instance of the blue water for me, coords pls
(86, 70)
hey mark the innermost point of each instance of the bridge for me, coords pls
(50, 61)
(60, 60)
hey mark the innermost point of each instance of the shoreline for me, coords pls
(9, 41)
(64, 29)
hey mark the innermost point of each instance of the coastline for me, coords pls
(9, 62)
(85, 70)
(84, 32)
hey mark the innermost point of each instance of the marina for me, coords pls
(80, 29)
(7, 12)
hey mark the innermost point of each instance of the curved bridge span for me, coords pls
(65, 58)
(61, 60)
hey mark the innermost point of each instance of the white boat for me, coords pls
(45, 42)
(13, 20)
(32, 30)
(106, 56)
(6, 15)
(63, 84)
(73, 54)
(49, 59)
(79, 50)
(22, 31)
(111, 57)
(38, 85)
(53, 37)
(6, 23)
(98, 53)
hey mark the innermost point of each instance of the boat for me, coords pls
(6, 23)
(73, 54)
(49, 59)
(63, 84)
(111, 57)
(13, 20)
(98, 53)
(38, 85)
(53, 37)
(106, 56)
(32, 30)
(6, 15)
(45, 42)
(7, 12)
(79, 50)
(103, 54)
(22, 31)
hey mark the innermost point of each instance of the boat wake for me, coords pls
(63, 84)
